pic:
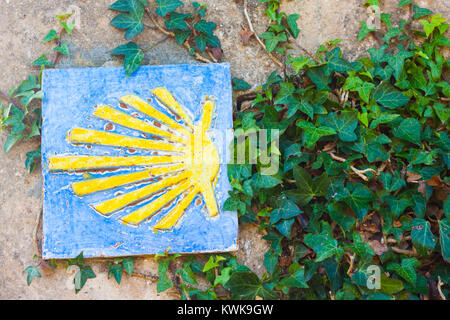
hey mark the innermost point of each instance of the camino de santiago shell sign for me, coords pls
(136, 165)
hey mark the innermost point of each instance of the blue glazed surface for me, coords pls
(70, 224)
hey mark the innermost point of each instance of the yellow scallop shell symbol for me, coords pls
(189, 165)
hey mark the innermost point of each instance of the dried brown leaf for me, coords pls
(245, 36)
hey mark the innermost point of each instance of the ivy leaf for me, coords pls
(239, 84)
(262, 181)
(163, 282)
(324, 246)
(398, 205)
(292, 24)
(434, 22)
(364, 31)
(421, 12)
(247, 285)
(306, 187)
(409, 130)
(389, 285)
(421, 236)
(285, 226)
(363, 88)
(296, 279)
(176, 21)
(444, 230)
(272, 39)
(403, 3)
(68, 26)
(83, 274)
(392, 183)
(63, 49)
(312, 134)
(128, 265)
(132, 20)
(11, 141)
(344, 124)
(116, 271)
(51, 36)
(133, 56)
(32, 272)
(337, 212)
(288, 209)
(167, 6)
(181, 35)
(397, 61)
(42, 61)
(206, 35)
(389, 97)
(406, 270)
(358, 198)
(30, 162)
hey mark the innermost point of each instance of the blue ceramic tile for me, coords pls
(71, 222)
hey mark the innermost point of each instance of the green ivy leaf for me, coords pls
(406, 270)
(247, 285)
(51, 36)
(133, 56)
(403, 3)
(132, 20)
(409, 130)
(63, 49)
(116, 271)
(292, 24)
(239, 84)
(83, 274)
(176, 21)
(344, 124)
(167, 6)
(128, 265)
(389, 97)
(324, 246)
(32, 272)
(421, 235)
(444, 230)
(312, 134)
(42, 61)
(364, 31)
(358, 197)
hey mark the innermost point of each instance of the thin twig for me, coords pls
(411, 253)
(360, 173)
(335, 157)
(304, 50)
(439, 287)
(145, 276)
(250, 25)
(156, 43)
(352, 262)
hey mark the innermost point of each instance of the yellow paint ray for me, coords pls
(168, 100)
(105, 162)
(208, 110)
(162, 170)
(209, 198)
(123, 119)
(150, 209)
(174, 215)
(79, 135)
(142, 106)
(114, 204)
(93, 185)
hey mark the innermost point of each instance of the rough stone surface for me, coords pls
(23, 25)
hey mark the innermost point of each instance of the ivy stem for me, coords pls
(156, 43)
(250, 25)
(10, 100)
